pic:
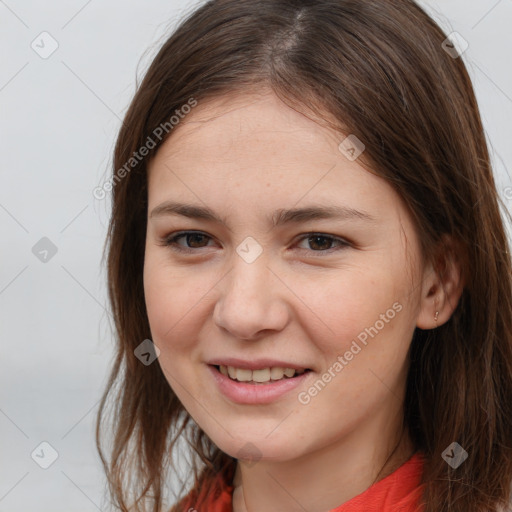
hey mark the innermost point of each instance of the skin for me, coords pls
(244, 157)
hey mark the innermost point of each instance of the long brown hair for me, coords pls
(380, 69)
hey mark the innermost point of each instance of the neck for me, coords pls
(319, 481)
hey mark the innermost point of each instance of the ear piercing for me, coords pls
(436, 316)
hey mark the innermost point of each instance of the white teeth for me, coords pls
(243, 375)
(276, 373)
(289, 372)
(260, 376)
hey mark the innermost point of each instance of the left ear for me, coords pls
(442, 285)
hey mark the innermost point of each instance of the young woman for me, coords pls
(307, 233)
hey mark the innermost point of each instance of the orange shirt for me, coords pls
(398, 492)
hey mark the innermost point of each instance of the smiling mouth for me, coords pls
(261, 376)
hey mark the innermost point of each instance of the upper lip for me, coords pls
(255, 364)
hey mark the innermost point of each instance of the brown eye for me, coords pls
(319, 242)
(193, 240)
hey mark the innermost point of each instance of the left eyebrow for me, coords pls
(279, 218)
(297, 215)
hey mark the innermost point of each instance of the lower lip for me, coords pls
(246, 393)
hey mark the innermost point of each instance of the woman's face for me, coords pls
(299, 258)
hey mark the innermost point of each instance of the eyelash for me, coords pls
(171, 241)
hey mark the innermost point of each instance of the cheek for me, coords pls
(176, 302)
(165, 300)
(352, 301)
(369, 316)
(365, 352)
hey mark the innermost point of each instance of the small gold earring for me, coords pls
(436, 316)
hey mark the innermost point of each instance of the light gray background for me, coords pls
(59, 119)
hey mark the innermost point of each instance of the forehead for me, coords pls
(254, 150)
(245, 123)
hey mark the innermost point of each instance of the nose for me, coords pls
(252, 301)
